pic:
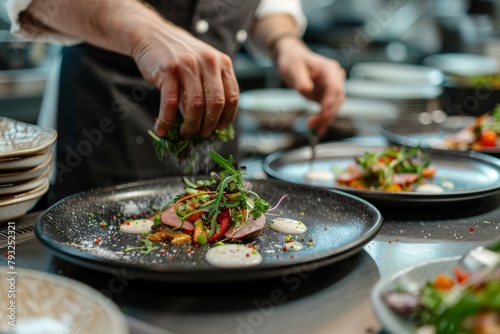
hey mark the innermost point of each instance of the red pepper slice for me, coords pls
(224, 221)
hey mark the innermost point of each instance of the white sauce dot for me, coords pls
(320, 175)
(294, 246)
(447, 185)
(233, 256)
(287, 226)
(137, 226)
(429, 188)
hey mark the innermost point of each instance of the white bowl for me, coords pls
(19, 138)
(24, 162)
(397, 73)
(23, 186)
(276, 108)
(23, 175)
(48, 303)
(15, 206)
(391, 91)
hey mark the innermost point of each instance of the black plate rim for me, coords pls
(158, 272)
(399, 197)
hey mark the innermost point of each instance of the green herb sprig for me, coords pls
(184, 149)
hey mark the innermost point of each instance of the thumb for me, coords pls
(297, 76)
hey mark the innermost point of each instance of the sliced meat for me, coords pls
(251, 229)
(169, 218)
(404, 178)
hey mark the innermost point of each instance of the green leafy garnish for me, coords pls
(146, 248)
(184, 149)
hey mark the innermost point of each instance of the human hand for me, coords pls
(193, 77)
(318, 78)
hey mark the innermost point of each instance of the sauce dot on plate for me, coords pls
(320, 176)
(137, 226)
(288, 226)
(429, 188)
(233, 256)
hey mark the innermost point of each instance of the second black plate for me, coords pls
(473, 175)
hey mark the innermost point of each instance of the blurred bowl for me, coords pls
(15, 206)
(275, 108)
(397, 73)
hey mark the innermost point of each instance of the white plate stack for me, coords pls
(412, 88)
(25, 162)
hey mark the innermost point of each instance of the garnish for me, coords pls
(184, 149)
(146, 248)
(209, 208)
(392, 169)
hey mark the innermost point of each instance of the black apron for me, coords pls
(105, 107)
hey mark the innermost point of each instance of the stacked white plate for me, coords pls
(410, 87)
(25, 161)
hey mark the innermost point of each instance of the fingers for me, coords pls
(206, 91)
(169, 102)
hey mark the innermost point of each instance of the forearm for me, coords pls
(270, 31)
(116, 25)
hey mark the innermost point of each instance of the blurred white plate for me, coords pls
(15, 206)
(23, 186)
(275, 107)
(410, 279)
(463, 64)
(397, 73)
(52, 304)
(24, 162)
(390, 91)
(23, 175)
(19, 138)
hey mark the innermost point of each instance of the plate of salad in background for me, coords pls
(422, 176)
(208, 228)
(439, 297)
(439, 131)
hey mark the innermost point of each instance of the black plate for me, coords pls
(474, 175)
(410, 131)
(339, 223)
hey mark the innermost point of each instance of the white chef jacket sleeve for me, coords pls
(290, 7)
(31, 32)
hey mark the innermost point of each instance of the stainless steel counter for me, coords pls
(334, 299)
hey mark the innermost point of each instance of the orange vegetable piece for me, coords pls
(429, 172)
(443, 282)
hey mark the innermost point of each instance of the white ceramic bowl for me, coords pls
(19, 138)
(25, 174)
(23, 186)
(53, 304)
(397, 73)
(24, 162)
(15, 206)
(276, 108)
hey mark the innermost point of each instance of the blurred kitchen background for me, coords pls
(354, 32)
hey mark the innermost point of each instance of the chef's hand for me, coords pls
(192, 76)
(318, 78)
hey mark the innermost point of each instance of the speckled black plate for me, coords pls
(339, 224)
(473, 175)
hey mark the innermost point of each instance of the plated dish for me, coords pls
(338, 226)
(472, 175)
(433, 131)
(439, 297)
(49, 304)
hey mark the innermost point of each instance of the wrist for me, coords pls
(273, 45)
